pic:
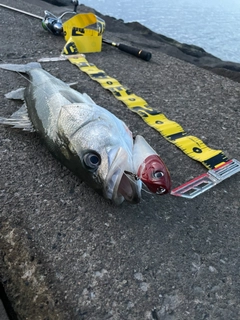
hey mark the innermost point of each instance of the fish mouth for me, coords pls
(128, 188)
(120, 183)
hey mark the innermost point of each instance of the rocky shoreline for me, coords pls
(186, 52)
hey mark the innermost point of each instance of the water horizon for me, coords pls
(210, 24)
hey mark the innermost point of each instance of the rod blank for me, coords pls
(21, 11)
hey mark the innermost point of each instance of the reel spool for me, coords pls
(54, 24)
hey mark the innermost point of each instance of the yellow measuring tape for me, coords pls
(220, 167)
(170, 130)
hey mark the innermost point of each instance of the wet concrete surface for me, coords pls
(67, 253)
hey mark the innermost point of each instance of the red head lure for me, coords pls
(150, 168)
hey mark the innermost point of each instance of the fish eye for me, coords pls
(92, 160)
(158, 174)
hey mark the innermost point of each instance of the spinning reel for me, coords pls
(54, 24)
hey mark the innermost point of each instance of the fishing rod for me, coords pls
(144, 55)
(54, 25)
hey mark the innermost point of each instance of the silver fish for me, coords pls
(89, 140)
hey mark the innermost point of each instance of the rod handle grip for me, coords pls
(144, 55)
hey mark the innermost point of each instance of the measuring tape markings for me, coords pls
(220, 167)
(170, 130)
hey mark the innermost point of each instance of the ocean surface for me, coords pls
(213, 25)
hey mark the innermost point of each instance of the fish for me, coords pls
(88, 139)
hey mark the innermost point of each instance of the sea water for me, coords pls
(213, 25)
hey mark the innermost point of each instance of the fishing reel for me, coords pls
(54, 24)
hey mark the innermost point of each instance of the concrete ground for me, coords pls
(66, 253)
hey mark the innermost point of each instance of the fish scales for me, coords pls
(88, 139)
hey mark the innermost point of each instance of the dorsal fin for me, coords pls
(76, 97)
(88, 98)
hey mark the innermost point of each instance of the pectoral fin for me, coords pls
(76, 97)
(16, 94)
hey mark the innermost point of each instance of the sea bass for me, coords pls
(88, 139)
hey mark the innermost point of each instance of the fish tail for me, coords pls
(24, 68)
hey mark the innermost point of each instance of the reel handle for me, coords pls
(144, 55)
